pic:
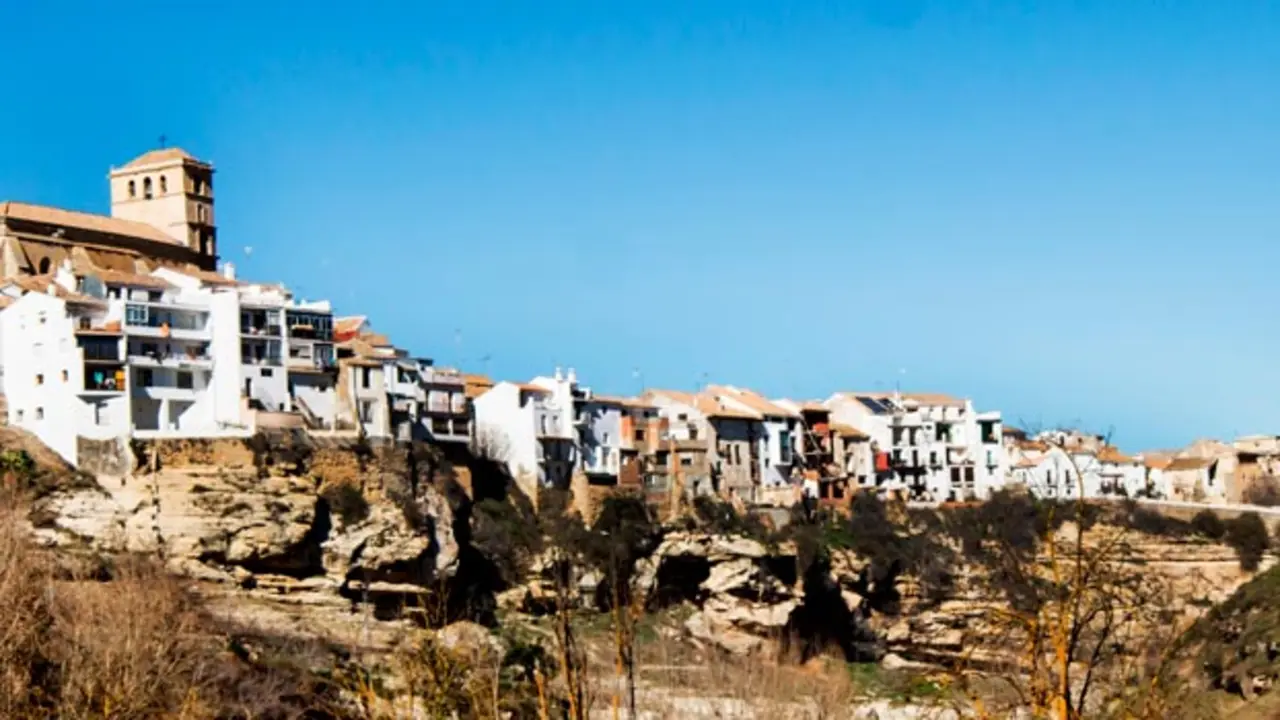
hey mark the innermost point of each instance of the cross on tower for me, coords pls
(163, 139)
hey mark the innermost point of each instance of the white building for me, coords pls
(108, 354)
(939, 447)
(530, 427)
(1045, 470)
(286, 353)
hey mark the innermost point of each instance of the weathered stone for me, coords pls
(731, 575)
(471, 641)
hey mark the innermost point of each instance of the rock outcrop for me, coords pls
(266, 538)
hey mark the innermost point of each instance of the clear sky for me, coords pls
(1066, 210)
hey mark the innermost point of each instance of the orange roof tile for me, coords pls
(1111, 454)
(348, 324)
(1190, 463)
(530, 387)
(82, 221)
(848, 431)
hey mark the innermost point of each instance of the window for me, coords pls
(19, 416)
(133, 189)
(65, 376)
(605, 439)
(44, 266)
(366, 378)
(686, 461)
(136, 315)
(39, 413)
(267, 372)
(785, 439)
(99, 413)
(184, 380)
(146, 187)
(144, 377)
(639, 435)
(682, 417)
(164, 185)
(39, 378)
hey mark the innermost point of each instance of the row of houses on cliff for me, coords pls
(127, 325)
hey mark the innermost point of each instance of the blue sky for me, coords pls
(1066, 210)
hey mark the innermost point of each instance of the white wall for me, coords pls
(506, 426)
(226, 385)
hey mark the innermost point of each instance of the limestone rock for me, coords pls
(471, 641)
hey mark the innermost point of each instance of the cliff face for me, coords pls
(315, 540)
(298, 544)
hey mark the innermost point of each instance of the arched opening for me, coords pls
(164, 185)
(133, 189)
(146, 188)
(44, 266)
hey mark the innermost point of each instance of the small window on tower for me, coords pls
(44, 266)
(146, 188)
(133, 189)
(164, 185)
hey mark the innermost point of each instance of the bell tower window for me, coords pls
(146, 187)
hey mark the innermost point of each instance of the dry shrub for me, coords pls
(135, 645)
(676, 680)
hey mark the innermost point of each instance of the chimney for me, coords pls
(229, 270)
(558, 376)
(573, 376)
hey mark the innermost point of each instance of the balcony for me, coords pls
(190, 358)
(103, 379)
(268, 331)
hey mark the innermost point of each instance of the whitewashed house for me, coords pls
(938, 447)
(530, 427)
(1045, 470)
(112, 354)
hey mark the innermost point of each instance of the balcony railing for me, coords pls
(258, 331)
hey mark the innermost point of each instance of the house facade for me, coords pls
(937, 447)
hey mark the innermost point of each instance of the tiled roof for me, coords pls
(713, 408)
(348, 324)
(115, 277)
(620, 401)
(530, 387)
(679, 396)
(42, 284)
(1190, 463)
(1110, 454)
(849, 431)
(82, 221)
(753, 400)
(163, 155)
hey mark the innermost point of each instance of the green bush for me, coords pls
(346, 501)
(1248, 535)
(1208, 524)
